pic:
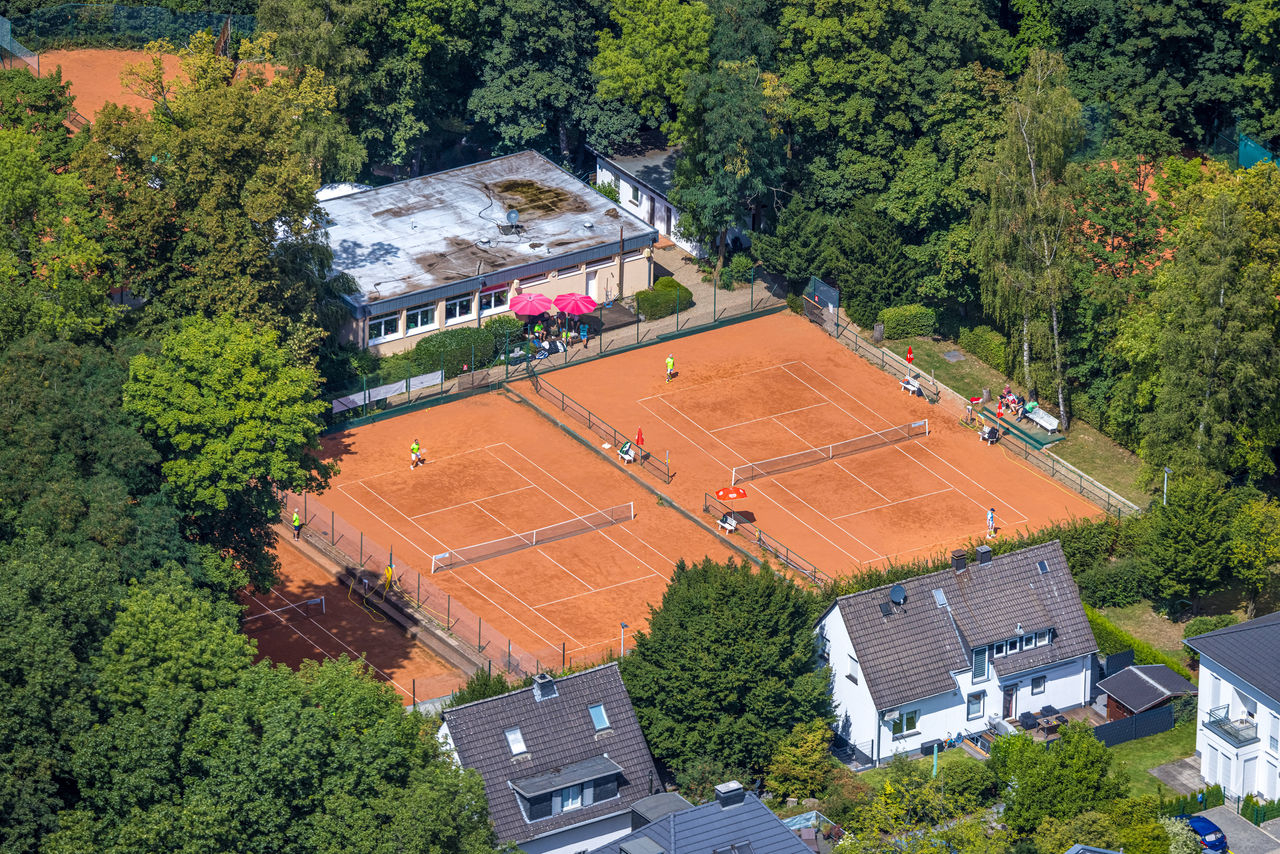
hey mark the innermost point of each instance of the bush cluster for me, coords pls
(908, 321)
(1115, 585)
(971, 780)
(795, 302)
(661, 300)
(738, 270)
(504, 327)
(987, 345)
(1201, 625)
(452, 349)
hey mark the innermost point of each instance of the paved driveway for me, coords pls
(1242, 836)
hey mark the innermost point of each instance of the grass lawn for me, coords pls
(877, 777)
(1143, 622)
(1086, 448)
(1142, 754)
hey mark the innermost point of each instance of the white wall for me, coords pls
(1230, 760)
(581, 837)
(647, 203)
(855, 711)
(1067, 686)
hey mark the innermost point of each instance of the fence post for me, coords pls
(713, 304)
(305, 518)
(479, 629)
(442, 372)
(448, 611)
(562, 655)
(362, 548)
(333, 532)
(364, 395)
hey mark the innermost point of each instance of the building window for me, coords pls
(493, 301)
(515, 740)
(384, 326)
(1275, 733)
(980, 664)
(458, 309)
(567, 271)
(420, 319)
(1037, 684)
(635, 194)
(1028, 641)
(975, 705)
(999, 650)
(905, 725)
(1042, 638)
(570, 798)
(598, 717)
(1012, 645)
(853, 670)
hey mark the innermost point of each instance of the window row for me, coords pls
(422, 318)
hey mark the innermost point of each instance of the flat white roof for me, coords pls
(444, 229)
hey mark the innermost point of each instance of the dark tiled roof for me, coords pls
(558, 733)
(911, 653)
(1142, 686)
(708, 828)
(1249, 650)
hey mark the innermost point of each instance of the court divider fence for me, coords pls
(599, 426)
(720, 510)
(368, 560)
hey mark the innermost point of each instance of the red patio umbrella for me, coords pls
(575, 303)
(531, 303)
(731, 493)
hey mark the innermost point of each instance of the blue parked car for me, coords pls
(1211, 836)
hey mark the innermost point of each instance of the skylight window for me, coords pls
(598, 717)
(515, 740)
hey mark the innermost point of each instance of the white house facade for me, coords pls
(1238, 731)
(954, 651)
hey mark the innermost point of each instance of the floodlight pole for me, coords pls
(1167, 471)
(622, 641)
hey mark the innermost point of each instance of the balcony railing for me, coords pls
(1239, 733)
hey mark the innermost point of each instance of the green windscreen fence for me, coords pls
(13, 54)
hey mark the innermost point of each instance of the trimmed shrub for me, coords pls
(504, 327)
(1111, 638)
(661, 300)
(738, 270)
(795, 302)
(987, 345)
(1117, 585)
(453, 349)
(970, 779)
(908, 321)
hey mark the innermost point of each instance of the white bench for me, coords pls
(729, 523)
(1044, 419)
(911, 386)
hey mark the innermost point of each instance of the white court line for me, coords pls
(990, 495)
(763, 417)
(848, 534)
(883, 497)
(838, 406)
(567, 572)
(339, 640)
(465, 503)
(485, 597)
(596, 590)
(723, 379)
(899, 501)
(697, 445)
(391, 527)
(425, 462)
(794, 433)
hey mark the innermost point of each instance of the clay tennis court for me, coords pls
(494, 468)
(346, 627)
(94, 75)
(780, 385)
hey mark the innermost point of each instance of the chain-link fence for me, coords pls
(108, 25)
(13, 54)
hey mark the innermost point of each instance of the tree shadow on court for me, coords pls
(336, 446)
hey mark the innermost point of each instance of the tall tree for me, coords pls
(40, 107)
(643, 60)
(1259, 79)
(727, 667)
(732, 159)
(1024, 227)
(1190, 547)
(233, 417)
(1255, 549)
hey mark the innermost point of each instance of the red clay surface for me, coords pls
(779, 385)
(493, 468)
(94, 74)
(346, 627)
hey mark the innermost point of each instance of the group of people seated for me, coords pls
(557, 327)
(1017, 404)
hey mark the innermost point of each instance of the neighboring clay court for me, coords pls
(494, 469)
(290, 626)
(779, 385)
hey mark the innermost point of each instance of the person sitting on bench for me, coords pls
(990, 435)
(627, 452)
(729, 522)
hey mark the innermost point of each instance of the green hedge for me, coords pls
(451, 349)
(1111, 638)
(1119, 584)
(987, 345)
(908, 321)
(661, 301)
(505, 327)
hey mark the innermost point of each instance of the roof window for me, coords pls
(515, 740)
(598, 717)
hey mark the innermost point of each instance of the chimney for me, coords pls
(984, 555)
(730, 794)
(958, 560)
(544, 687)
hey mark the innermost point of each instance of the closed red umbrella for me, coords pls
(639, 437)
(531, 303)
(575, 303)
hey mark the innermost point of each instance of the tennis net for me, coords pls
(529, 539)
(813, 456)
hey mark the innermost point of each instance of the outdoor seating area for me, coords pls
(1043, 725)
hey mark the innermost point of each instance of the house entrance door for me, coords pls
(1248, 776)
(1010, 694)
